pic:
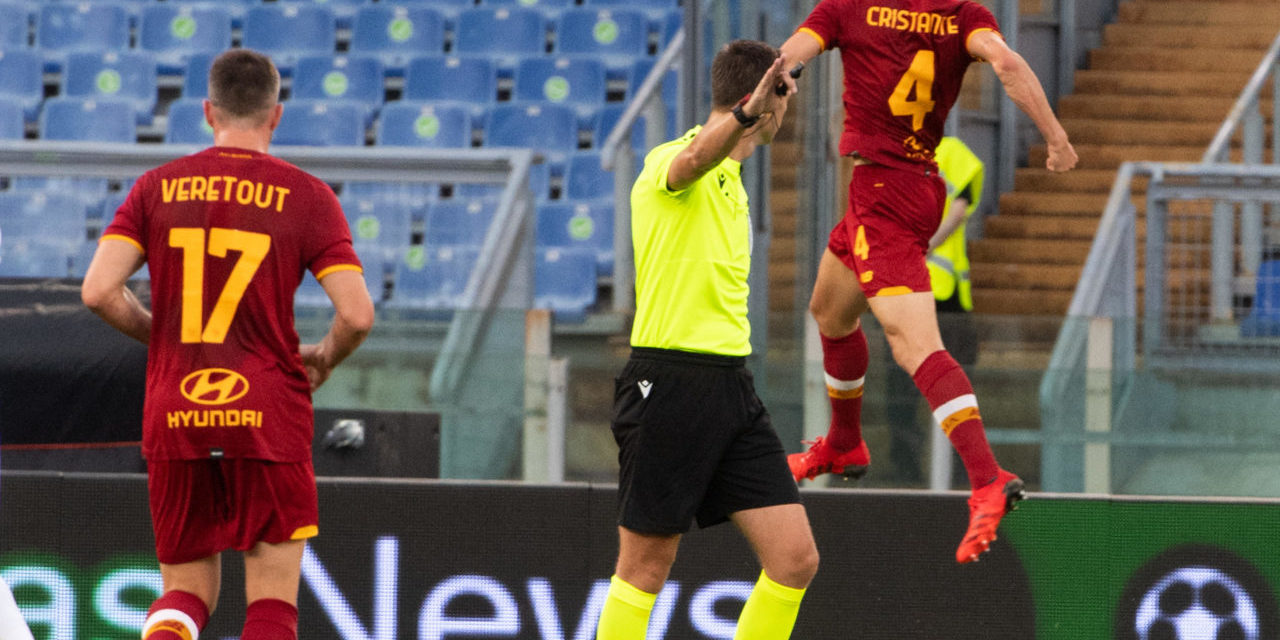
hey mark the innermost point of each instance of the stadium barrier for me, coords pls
(442, 559)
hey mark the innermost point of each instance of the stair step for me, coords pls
(1039, 277)
(996, 250)
(1018, 204)
(1025, 276)
(1040, 227)
(1198, 12)
(1098, 131)
(1160, 83)
(1074, 181)
(1080, 228)
(1110, 157)
(1152, 109)
(1089, 205)
(1175, 59)
(1257, 35)
(1021, 302)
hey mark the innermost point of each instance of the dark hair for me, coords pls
(243, 83)
(736, 70)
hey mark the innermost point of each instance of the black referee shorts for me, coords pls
(694, 441)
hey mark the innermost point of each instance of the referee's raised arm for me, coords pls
(757, 112)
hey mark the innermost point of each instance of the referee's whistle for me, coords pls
(795, 73)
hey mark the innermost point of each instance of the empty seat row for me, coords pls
(579, 81)
(289, 30)
(554, 129)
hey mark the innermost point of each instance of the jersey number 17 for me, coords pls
(253, 249)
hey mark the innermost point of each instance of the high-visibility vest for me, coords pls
(949, 263)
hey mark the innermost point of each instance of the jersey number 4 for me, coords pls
(918, 80)
(252, 247)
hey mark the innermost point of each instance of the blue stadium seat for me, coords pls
(547, 7)
(52, 219)
(640, 70)
(237, 8)
(65, 27)
(87, 190)
(128, 75)
(461, 222)
(539, 183)
(105, 211)
(1264, 317)
(321, 123)
(22, 79)
(416, 195)
(648, 5)
(173, 32)
(452, 7)
(432, 278)
(583, 224)
(508, 32)
(472, 79)
(618, 35)
(15, 25)
(585, 179)
(187, 124)
(12, 119)
(398, 33)
(574, 81)
(551, 128)
(381, 229)
(344, 11)
(357, 78)
(668, 26)
(88, 119)
(287, 31)
(425, 124)
(564, 281)
(609, 115)
(195, 80)
(21, 261)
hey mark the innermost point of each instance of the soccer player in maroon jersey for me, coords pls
(228, 234)
(903, 65)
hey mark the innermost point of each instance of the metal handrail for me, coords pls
(621, 133)
(1244, 104)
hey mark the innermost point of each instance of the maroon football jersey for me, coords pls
(903, 61)
(228, 235)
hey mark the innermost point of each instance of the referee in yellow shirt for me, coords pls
(695, 443)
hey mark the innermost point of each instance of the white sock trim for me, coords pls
(171, 614)
(843, 385)
(959, 403)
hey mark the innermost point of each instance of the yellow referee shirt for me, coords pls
(693, 254)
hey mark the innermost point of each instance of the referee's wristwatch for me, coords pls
(743, 119)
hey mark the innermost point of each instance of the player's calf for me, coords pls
(176, 615)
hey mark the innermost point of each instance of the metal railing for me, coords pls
(1247, 121)
(1092, 393)
(1215, 209)
(617, 156)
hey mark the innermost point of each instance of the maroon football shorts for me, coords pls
(885, 232)
(203, 507)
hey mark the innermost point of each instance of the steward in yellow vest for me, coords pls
(948, 259)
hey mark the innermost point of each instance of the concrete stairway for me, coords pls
(1157, 89)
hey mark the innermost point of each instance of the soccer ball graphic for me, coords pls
(1197, 603)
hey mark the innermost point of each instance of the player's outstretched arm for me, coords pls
(105, 293)
(723, 131)
(1023, 87)
(801, 47)
(352, 321)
